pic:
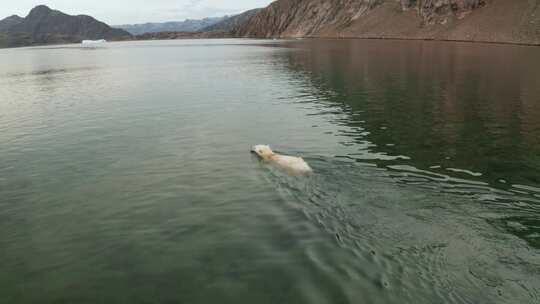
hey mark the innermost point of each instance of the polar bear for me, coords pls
(294, 165)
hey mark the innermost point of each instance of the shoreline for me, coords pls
(508, 43)
(420, 39)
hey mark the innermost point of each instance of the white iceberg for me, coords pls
(94, 41)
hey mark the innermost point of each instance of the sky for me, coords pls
(116, 12)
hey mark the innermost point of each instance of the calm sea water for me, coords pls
(126, 177)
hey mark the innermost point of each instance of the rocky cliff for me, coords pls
(507, 21)
(45, 26)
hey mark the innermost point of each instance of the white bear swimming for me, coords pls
(294, 165)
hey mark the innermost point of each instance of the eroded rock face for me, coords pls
(307, 17)
(298, 18)
(510, 21)
(436, 10)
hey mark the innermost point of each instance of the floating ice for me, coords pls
(94, 41)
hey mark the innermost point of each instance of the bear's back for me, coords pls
(291, 163)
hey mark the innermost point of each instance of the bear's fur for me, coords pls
(292, 164)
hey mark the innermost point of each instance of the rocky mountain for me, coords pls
(189, 25)
(46, 26)
(10, 21)
(230, 23)
(506, 21)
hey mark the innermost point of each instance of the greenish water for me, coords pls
(126, 177)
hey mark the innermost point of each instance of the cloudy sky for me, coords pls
(136, 11)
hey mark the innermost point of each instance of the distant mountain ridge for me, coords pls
(222, 29)
(188, 25)
(46, 26)
(223, 24)
(230, 23)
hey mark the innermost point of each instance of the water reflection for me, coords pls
(134, 178)
(47, 72)
(456, 106)
(464, 117)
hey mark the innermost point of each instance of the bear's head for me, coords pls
(263, 151)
